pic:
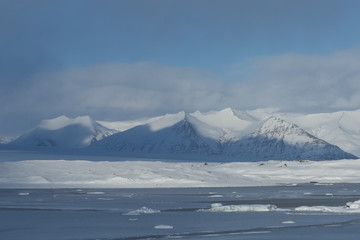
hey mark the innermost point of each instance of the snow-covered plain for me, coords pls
(54, 171)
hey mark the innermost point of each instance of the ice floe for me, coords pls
(24, 194)
(218, 207)
(163, 227)
(216, 196)
(288, 222)
(353, 205)
(143, 210)
(95, 193)
(350, 207)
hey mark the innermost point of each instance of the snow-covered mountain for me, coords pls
(64, 132)
(225, 134)
(170, 134)
(260, 134)
(282, 140)
(338, 128)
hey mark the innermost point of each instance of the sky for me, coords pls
(127, 59)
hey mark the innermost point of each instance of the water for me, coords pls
(115, 214)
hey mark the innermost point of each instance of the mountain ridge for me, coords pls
(240, 135)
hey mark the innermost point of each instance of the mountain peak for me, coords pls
(166, 121)
(275, 122)
(281, 140)
(277, 128)
(228, 111)
(64, 132)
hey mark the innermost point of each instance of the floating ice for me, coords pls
(350, 207)
(216, 196)
(106, 199)
(218, 207)
(288, 222)
(163, 227)
(353, 205)
(95, 193)
(143, 210)
(319, 209)
(24, 194)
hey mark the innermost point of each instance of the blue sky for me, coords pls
(117, 60)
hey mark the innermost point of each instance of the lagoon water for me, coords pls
(114, 214)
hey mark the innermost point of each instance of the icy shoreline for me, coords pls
(159, 174)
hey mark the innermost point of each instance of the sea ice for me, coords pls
(24, 194)
(216, 196)
(288, 222)
(353, 205)
(95, 193)
(350, 207)
(163, 227)
(218, 207)
(143, 210)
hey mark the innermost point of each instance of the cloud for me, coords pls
(118, 90)
(302, 83)
(115, 91)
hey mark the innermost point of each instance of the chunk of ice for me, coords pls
(163, 227)
(218, 207)
(143, 210)
(288, 222)
(95, 193)
(24, 194)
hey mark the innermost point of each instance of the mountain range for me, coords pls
(262, 134)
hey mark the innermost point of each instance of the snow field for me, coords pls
(159, 174)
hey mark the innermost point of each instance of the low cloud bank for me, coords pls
(114, 91)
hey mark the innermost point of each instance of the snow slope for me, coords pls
(172, 134)
(152, 174)
(223, 125)
(64, 132)
(338, 128)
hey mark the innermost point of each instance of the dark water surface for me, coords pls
(176, 213)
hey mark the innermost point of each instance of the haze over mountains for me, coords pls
(228, 134)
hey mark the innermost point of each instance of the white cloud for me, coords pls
(117, 89)
(111, 91)
(296, 82)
